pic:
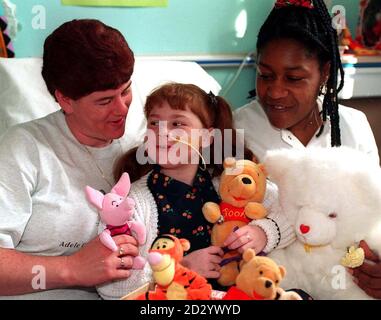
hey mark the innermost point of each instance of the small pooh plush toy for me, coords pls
(242, 189)
(259, 279)
(353, 258)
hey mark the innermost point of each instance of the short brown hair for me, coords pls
(84, 56)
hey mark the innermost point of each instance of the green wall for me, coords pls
(185, 27)
(246, 81)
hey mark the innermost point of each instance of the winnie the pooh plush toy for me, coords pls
(259, 279)
(242, 189)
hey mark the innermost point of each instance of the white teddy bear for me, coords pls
(332, 196)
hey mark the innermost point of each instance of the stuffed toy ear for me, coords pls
(229, 163)
(122, 187)
(278, 162)
(95, 197)
(255, 159)
(262, 167)
(282, 271)
(231, 168)
(248, 255)
(185, 244)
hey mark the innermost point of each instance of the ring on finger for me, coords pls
(122, 264)
(121, 251)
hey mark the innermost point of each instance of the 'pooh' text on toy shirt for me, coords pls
(230, 213)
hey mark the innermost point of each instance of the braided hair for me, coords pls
(313, 28)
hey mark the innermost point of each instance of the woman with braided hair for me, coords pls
(299, 75)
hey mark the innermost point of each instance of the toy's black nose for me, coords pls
(246, 180)
(268, 284)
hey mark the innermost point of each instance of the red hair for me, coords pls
(84, 56)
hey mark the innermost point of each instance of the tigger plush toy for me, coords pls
(172, 280)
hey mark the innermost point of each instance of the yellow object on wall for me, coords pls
(116, 3)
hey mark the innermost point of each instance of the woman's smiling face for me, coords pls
(288, 82)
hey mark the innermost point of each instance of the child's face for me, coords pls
(165, 126)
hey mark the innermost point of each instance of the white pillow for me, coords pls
(24, 96)
(23, 93)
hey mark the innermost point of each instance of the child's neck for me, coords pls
(184, 173)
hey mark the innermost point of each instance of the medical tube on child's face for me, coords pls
(173, 147)
(194, 141)
(167, 147)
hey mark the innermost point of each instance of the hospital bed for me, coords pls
(24, 96)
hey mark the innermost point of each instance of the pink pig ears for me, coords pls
(122, 187)
(95, 197)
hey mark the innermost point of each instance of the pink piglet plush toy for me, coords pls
(116, 210)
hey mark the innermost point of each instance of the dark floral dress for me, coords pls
(180, 206)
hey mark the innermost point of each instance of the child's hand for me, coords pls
(247, 237)
(204, 261)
